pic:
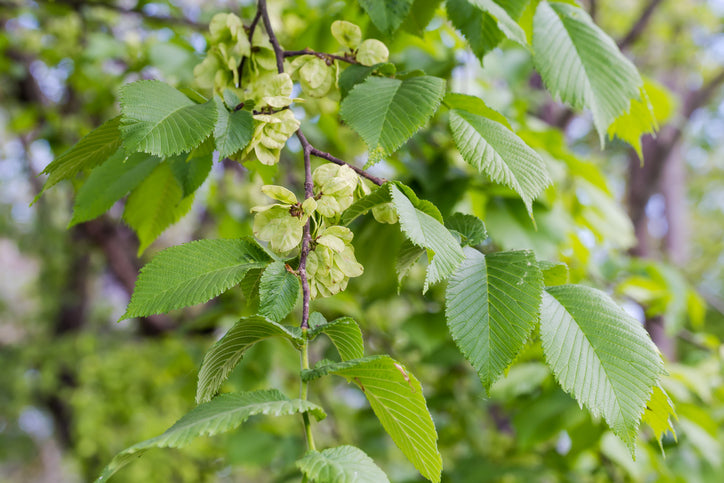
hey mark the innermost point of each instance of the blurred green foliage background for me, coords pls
(76, 387)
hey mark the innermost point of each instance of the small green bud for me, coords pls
(346, 33)
(372, 52)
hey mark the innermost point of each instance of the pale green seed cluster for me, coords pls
(331, 261)
(264, 90)
(318, 77)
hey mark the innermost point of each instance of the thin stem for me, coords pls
(304, 389)
(325, 155)
(322, 55)
(307, 235)
(278, 52)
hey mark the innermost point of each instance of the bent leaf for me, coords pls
(581, 64)
(278, 291)
(192, 273)
(221, 359)
(470, 228)
(396, 398)
(158, 119)
(343, 464)
(601, 355)
(387, 112)
(93, 149)
(346, 336)
(425, 231)
(225, 413)
(233, 130)
(498, 152)
(492, 305)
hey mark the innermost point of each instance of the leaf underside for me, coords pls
(221, 359)
(343, 464)
(396, 398)
(600, 354)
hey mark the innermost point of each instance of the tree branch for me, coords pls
(639, 26)
(329, 58)
(325, 155)
(309, 151)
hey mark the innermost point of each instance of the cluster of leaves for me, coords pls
(160, 150)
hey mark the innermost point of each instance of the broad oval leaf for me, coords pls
(387, 15)
(233, 130)
(93, 149)
(155, 204)
(224, 413)
(343, 464)
(110, 182)
(492, 305)
(346, 336)
(498, 152)
(226, 353)
(581, 64)
(192, 273)
(387, 112)
(396, 398)
(158, 119)
(600, 354)
(278, 291)
(425, 231)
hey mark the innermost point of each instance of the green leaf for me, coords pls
(426, 232)
(387, 112)
(492, 305)
(357, 73)
(155, 204)
(158, 119)
(278, 291)
(192, 273)
(470, 228)
(226, 353)
(396, 398)
(387, 15)
(554, 273)
(658, 414)
(485, 23)
(498, 152)
(503, 20)
(343, 464)
(363, 205)
(225, 413)
(474, 105)
(95, 148)
(581, 64)
(192, 169)
(110, 182)
(233, 130)
(346, 336)
(600, 354)
(644, 116)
